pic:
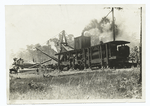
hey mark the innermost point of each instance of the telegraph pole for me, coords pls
(113, 24)
(140, 80)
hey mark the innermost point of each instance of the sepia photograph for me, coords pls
(71, 53)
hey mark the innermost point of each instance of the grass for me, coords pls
(107, 84)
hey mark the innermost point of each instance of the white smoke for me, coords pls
(87, 33)
(106, 36)
(52, 44)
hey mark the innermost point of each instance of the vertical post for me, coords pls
(70, 65)
(107, 60)
(113, 24)
(91, 54)
(140, 80)
(101, 55)
(60, 43)
(74, 61)
(84, 57)
(64, 37)
(90, 50)
(109, 50)
(89, 57)
(61, 37)
(59, 62)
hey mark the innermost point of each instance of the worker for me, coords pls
(37, 70)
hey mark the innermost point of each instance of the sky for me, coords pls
(32, 24)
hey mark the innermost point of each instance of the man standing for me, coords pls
(37, 70)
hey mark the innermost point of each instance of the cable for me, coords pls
(47, 40)
(107, 14)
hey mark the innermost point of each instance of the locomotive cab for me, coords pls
(123, 50)
(119, 49)
(118, 53)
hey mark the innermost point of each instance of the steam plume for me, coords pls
(104, 27)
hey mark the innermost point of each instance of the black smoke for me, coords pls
(103, 26)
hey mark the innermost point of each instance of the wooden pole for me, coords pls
(107, 55)
(140, 80)
(113, 24)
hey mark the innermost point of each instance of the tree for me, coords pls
(134, 55)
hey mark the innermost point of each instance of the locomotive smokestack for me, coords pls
(113, 24)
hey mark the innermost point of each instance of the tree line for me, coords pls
(30, 54)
